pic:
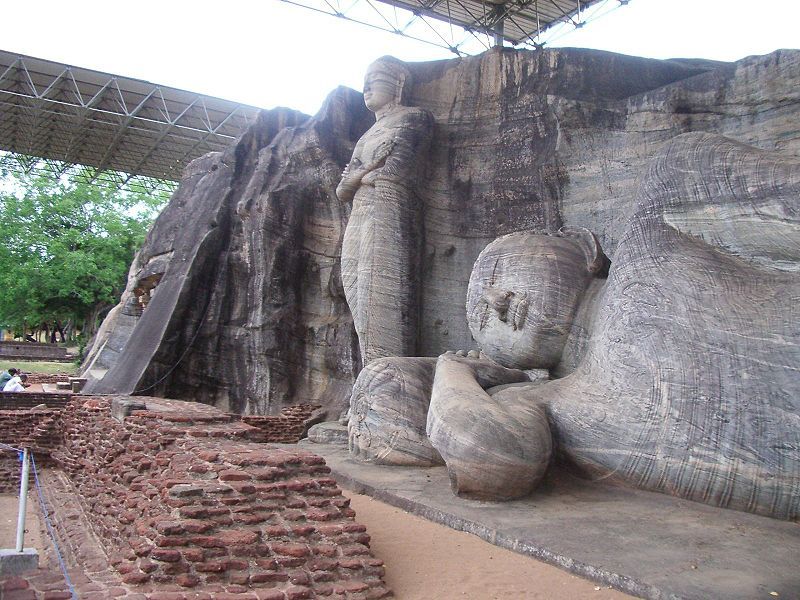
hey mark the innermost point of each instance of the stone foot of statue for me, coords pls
(388, 412)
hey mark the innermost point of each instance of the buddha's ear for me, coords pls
(596, 261)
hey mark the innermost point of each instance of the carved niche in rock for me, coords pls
(677, 373)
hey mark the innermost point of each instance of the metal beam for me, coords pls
(79, 116)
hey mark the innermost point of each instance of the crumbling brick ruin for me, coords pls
(35, 429)
(185, 497)
(47, 377)
(288, 427)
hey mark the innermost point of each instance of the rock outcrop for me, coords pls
(522, 140)
(235, 298)
(674, 370)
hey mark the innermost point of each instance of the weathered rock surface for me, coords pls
(382, 243)
(388, 410)
(522, 140)
(681, 366)
(241, 271)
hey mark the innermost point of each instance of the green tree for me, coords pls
(66, 247)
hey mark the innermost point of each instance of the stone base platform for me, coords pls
(14, 563)
(646, 544)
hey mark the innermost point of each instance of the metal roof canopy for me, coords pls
(106, 122)
(521, 23)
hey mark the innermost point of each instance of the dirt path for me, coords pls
(424, 560)
(9, 509)
(427, 561)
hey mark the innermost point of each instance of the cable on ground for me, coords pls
(51, 530)
(7, 447)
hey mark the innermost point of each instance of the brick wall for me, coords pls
(39, 430)
(32, 350)
(24, 400)
(48, 377)
(288, 427)
(182, 495)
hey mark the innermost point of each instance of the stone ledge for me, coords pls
(642, 543)
(14, 563)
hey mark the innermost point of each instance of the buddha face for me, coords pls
(522, 297)
(383, 84)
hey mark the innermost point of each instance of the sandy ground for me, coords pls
(427, 561)
(9, 509)
(424, 560)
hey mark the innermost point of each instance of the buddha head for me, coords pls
(524, 291)
(385, 82)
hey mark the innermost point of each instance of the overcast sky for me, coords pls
(268, 53)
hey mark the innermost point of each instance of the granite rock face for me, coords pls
(382, 243)
(388, 410)
(521, 140)
(240, 275)
(674, 370)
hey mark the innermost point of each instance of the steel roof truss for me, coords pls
(73, 115)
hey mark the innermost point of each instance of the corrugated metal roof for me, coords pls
(522, 20)
(467, 26)
(79, 116)
(69, 115)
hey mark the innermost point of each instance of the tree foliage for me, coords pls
(66, 246)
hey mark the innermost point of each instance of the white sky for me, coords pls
(267, 53)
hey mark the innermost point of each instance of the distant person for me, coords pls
(6, 377)
(29, 338)
(16, 384)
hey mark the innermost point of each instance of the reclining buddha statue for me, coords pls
(672, 367)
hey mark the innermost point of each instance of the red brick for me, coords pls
(217, 566)
(187, 580)
(169, 527)
(135, 578)
(297, 593)
(142, 548)
(350, 563)
(250, 551)
(198, 526)
(325, 549)
(239, 578)
(290, 561)
(243, 487)
(303, 530)
(14, 583)
(297, 550)
(268, 577)
(175, 568)
(193, 554)
(355, 550)
(270, 595)
(237, 537)
(237, 565)
(193, 512)
(299, 578)
(276, 531)
(170, 541)
(316, 514)
(231, 475)
(248, 519)
(206, 541)
(20, 594)
(147, 566)
(323, 564)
